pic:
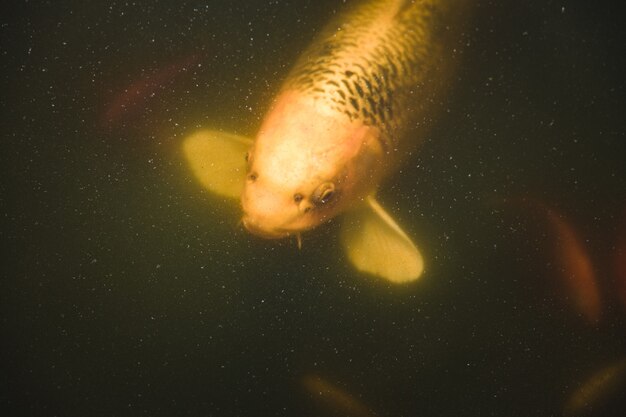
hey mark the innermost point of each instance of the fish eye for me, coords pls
(324, 193)
(327, 196)
(252, 176)
(297, 197)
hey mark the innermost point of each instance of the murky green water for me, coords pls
(128, 290)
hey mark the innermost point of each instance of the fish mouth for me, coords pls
(254, 228)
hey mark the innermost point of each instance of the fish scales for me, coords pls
(370, 61)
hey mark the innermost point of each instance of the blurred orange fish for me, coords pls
(572, 259)
(596, 392)
(620, 260)
(134, 98)
(575, 265)
(335, 399)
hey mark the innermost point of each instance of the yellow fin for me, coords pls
(217, 160)
(375, 244)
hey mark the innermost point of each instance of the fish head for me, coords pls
(307, 165)
(273, 210)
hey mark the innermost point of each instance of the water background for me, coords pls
(128, 290)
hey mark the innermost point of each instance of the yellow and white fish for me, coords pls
(357, 101)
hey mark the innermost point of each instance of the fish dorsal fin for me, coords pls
(375, 244)
(217, 160)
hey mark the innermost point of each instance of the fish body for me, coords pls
(333, 398)
(357, 99)
(342, 117)
(600, 393)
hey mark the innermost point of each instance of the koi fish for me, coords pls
(337, 400)
(356, 102)
(574, 266)
(597, 391)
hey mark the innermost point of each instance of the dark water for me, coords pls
(128, 290)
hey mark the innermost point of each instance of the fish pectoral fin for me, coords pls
(217, 160)
(375, 244)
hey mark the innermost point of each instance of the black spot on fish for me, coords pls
(358, 89)
(394, 69)
(379, 83)
(368, 84)
(355, 104)
(372, 104)
(306, 81)
(348, 86)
